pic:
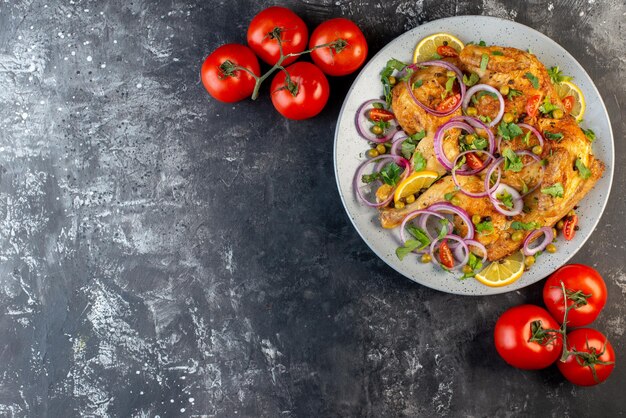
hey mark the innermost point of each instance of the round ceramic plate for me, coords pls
(350, 148)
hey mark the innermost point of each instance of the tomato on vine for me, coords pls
(229, 73)
(345, 59)
(302, 94)
(585, 290)
(591, 357)
(272, 24)
(524, 337)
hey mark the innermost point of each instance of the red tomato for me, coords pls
(513, 334)
(595, 359)
(305, 97)
(448, 103)
(447, 51)
(445, 255)
(569, 227)
(568, 103)
(376, 115)
(229, 85)
(340, 61)
(292, 30)
(532, 105)
(585, 288)
(473, 161)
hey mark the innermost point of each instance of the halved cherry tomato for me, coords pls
(568, 103)
(447, 51)
(532, 105)
(569, 227)
(376, 115)
(445, 255)
(473, 161)
(448, 103)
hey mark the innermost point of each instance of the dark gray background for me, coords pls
(165, 254)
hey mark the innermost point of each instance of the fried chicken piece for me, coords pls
(513, 68)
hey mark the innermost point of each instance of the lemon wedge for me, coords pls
(427, 47)
(567, 88)
(502, 272)
(414, 183)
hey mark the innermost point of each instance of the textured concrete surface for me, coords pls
(164, 254)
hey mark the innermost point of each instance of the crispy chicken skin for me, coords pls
(559, 155)
(509, 69)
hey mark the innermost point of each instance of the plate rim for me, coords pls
(609, 172)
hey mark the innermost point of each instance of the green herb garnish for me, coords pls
(513, 93)
(418, 83)
(553, 136)
(392, 65)
(486, 226)
(509, 131)
(484, 60)
(533, 80)
(506, 199)
(391, 173)
(556, 76)
(521, 226)
(547, 106)
(556, 190)
(583, 171)
(591, 135)
(512, 161)
(419, 162)
(471, 80)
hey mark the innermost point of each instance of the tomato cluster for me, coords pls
(529, 337)
(278, 36)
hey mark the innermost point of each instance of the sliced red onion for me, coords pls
(424, 221)
(446, 207)
(396, 142)
(438, 140)
(458, 251)
(462, 245)
(548, 235)
(533, 130)
(495, 165)
(518, 203)
(479, 124)
(455, 172)
(447, 66)
(359, 173)
(361, 121)
(424, 213)
(485, 87)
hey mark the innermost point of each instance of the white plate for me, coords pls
(350, 148)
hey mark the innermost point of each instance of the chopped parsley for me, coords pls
(471, 80)
(547, 106)
(475, 264)
(479, 143)
(449, 196)
(499, 53)
(522, 226)
(484, 60)
(419, 162)
(378, 105)
(591, 135)
(407, 75)
(450, 84)
(444, 228)
(418, 83)
(556, 190)
(409, 144)
(553, 136)
(556, 76)
(392, 65)
(506, 199)
(526, 138)
(482, 43)
(391, 173)
(509, 131)
(512, 161)
(486, 226)
(436, 56)
(369, 178)
(420, 241)
(583, 171)
(533, 80)
(513, 93)
(480, 94)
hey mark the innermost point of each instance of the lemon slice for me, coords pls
(502, 272)
(427, 47)
(414, 183)
(567, 88)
